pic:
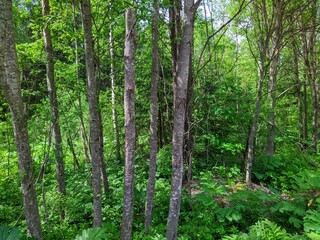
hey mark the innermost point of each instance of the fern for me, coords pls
(7, 233)
(313, 236)
(312, 222)
(236, 237)
(262, 230)
(92, 234)
(266, 230)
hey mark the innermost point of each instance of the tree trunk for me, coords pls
(175, 33)
(129, 118)
(263, 45)
(82, 125)
(180, 95)
(113, 96)
(298, 92)
(104, 175)
(74, 155)
(95, 123)
(153, 117)
(10, 85)
(270, 145)
(54, 105)
(309, 35)
(276, 41)
(252, 136)
(313, 78)
(187, 127)
(305, 110)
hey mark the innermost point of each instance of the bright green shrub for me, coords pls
(312, 222)
(263, 230)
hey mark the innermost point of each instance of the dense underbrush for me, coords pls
(284, 203)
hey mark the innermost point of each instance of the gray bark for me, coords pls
(298, 91)
(263, 43)
(54, 105)
(10, 85)
(253, 132)
(274, 55)
(187, 128)
(129, 118)
(175, 34)
(153, 117)
(103, 161)
(180, 95)
(95, 121)
(82, 125)
(309, 35)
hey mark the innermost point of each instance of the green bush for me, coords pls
(263, 230)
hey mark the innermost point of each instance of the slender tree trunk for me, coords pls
(252, 136)
(187, 127)
(298, 91)
(153, 117)
(113, 96)
(101, 148)
(95, 123)
(305, 110)
(103, 161)
(180, 95)
(129, 117)
(309, 36)
(313, 78)
(54, 105)
(278, 9)
(73, 152)
(175, 33)
(10, 85)
(160, 124)
(82, 125)
(263, 46)
(270, 145)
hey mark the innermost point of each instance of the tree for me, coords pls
(309, 53)
(113, 95)
(180, 95)
(129, 118)
(278, 9)
(153, 116)
(10, 85)
(54, 105)
(264, 29)
(95, 119)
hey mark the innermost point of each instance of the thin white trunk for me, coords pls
(113, 96)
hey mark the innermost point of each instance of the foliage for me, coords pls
(312, 222)
(225, 79)
(98, 233)
(263, 230)
(7, 233)
(200, 218)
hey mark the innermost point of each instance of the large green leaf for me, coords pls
(7, 233)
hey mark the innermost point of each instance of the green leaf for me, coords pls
(92, 234)
(7, 233)
(312, 221)
(313, 236)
